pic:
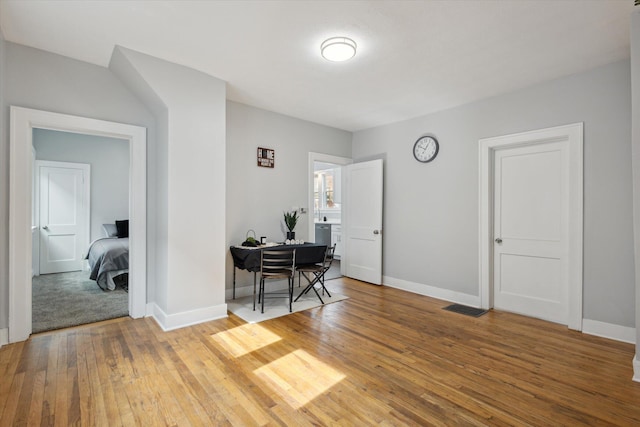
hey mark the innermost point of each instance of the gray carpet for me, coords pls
(70, 299)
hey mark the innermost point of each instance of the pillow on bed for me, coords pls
(123, 228)
(110, 230)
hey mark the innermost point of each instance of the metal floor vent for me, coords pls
(466, 310)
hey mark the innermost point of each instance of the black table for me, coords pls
(249, 258)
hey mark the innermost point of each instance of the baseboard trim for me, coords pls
(169, 322)
(4, 336)
(636, 369)
(432, 291)
(609, 330)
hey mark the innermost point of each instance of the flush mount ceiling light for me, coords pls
(338, 49)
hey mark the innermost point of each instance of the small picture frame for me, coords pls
(266, 157)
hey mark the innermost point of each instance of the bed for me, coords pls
(109, 259)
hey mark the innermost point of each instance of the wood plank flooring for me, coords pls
(382, 357)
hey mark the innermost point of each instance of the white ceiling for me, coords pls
(414, 57)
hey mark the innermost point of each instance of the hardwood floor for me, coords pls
(382, 357)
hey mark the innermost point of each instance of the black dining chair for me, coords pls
(277, 265)
(315, 274)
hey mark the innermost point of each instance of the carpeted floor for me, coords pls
(70, 299)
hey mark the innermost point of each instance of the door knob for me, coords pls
(376, 232)
(498, 240)
(45, 228)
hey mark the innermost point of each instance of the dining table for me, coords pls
(248, 257)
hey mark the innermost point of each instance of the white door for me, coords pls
(531, 206)
(64, 215)
(362, 226)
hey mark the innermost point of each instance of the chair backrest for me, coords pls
(277, 263)
(328, 257)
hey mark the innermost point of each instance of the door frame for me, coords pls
(325, 158)
(86, 191)
(22, 123)
(572, 134)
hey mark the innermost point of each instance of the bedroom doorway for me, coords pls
(23, 122)
(80, 182)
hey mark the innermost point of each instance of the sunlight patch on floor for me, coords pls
(244, 339)
(299, 377)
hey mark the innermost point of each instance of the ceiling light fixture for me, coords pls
(338, 49)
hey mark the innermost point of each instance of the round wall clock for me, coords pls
(426, 149)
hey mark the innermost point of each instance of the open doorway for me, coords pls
(23, 122)
(325, 205)
(81, 185)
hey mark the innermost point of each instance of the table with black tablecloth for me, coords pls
(248, 258)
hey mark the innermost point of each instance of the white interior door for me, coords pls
(362, 227)
(64, 215)
(531, 206)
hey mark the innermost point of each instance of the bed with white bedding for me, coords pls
(109, 259)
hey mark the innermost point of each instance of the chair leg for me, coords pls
(254, 290)
(291, 282)
(310, 286)
(323, 287)
(262, 292)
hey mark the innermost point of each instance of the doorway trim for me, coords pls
(325, 158)
(573, 135)
(23, 121)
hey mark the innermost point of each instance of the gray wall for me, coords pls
(257, 196)
(635, 86)
(37, 79)
(109, 160)
(4, 196)
(436, 204)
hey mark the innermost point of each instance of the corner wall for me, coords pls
(195, 179)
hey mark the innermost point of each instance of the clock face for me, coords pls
(425, 149)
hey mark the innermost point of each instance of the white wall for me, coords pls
(41, 80)
(635, 86)
(434, 207)
(4, 195)
(257, 196)
(109, 160)
(190, 106)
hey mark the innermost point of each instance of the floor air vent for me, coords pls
(466, 310)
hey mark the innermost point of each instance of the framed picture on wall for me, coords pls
(266, 157)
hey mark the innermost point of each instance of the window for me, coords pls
(326, 189)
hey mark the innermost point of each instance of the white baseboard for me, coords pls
(169, 322)
(636, 369)
(609, 330)
(4, 336)
(432, 291)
